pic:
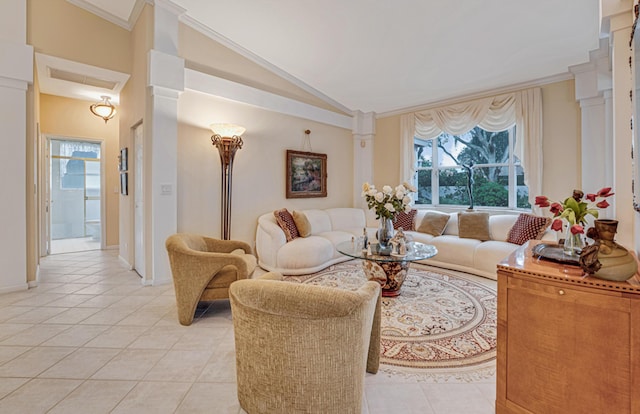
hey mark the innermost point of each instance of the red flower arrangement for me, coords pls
(574, 210)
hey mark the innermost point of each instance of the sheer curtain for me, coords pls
(522, 108)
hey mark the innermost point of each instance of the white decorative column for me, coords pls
(364, 130)
(620, 33)
(16, 73)
(593, 83)
(165, 83)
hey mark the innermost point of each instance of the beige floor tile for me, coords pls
(203, 339)
(94, 397)
(72, 316)
(33, 362)
(35, 335)
(153, 398)
(184, 366)
(116, 337)
(220, 368)
(100, 301)
(75, 336)
(37, 315)
(81, 364)
(158, 337)
(39, 299)
(457, 398)
(10, 329)
(397, 398)
(37, 396)
(130, 364)
(207, 398)
(9, 385)
(108, 316)
(70, 301)
(7, 353)
(9, 312)
(68, 288)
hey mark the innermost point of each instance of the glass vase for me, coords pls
(385, 232)
(573, 243)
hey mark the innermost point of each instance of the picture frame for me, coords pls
(123, 159)
(306, 174)
(124, 183)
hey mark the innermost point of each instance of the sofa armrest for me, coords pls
(269, 239)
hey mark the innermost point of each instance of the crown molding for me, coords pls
(125, 24)
(479, 95)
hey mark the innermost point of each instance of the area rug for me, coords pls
(442, 327)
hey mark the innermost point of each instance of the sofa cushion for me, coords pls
(434, 223)
(286, 223)
(488, 254)
(452, 249)
(528, 227)
(500, 225)
(452, 225)
(319, 220)
(302, 223)
(343, 218)
(336, 237)
(305, 252)
(405, 220)
(474, 225)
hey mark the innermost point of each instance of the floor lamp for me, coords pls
(226, 137)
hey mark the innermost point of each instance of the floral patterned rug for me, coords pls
(442, 327)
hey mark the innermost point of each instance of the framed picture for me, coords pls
(123, 158)
(124, 183)
(306, 174)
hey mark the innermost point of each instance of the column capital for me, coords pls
(364, 123)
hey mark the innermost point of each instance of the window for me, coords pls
(443, 165)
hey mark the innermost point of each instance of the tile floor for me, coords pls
(91, 339)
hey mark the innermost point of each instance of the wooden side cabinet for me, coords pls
(566, 343)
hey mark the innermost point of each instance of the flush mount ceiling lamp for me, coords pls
(226, 137)
(103, 109)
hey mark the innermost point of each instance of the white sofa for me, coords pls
(332, 226)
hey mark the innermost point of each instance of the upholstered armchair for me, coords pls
(204, 267)
(303, 348)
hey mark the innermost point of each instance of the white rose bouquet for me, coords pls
(388, 202)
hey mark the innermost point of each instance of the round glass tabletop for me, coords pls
(415, 251)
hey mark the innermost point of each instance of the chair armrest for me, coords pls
(271, 276)
(226, 246)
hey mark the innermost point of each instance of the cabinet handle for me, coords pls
(561, 292)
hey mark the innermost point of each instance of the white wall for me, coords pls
(259, 167)
(16, 72)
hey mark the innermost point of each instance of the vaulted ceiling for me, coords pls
(385, 56)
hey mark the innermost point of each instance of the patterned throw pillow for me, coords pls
(405, 220)
(528, 227)
(286, 223)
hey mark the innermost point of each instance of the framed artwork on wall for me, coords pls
(306, 174)
(123, 159)
(124, 183)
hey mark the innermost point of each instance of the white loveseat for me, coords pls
(332, 226)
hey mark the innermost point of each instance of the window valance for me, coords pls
(522, 108)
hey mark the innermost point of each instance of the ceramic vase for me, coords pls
(385, 232)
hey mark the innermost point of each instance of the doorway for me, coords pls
(75, 195)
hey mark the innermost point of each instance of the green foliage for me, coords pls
(491, 195)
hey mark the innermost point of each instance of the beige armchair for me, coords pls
(302, 348)
(204, 267)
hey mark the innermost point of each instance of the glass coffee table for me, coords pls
(388, 270)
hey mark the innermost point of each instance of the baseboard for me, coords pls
(15, 288)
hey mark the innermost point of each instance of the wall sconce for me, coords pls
(103, 109)
(226, 137)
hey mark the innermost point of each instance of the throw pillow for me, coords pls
(474, 225)
(302, 223)
(405, 220)
(286, 223)
(528, 227)
(433, 223)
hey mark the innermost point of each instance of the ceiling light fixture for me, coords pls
(103, 109)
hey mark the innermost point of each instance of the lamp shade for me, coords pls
(104, 109)
(227, 130)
